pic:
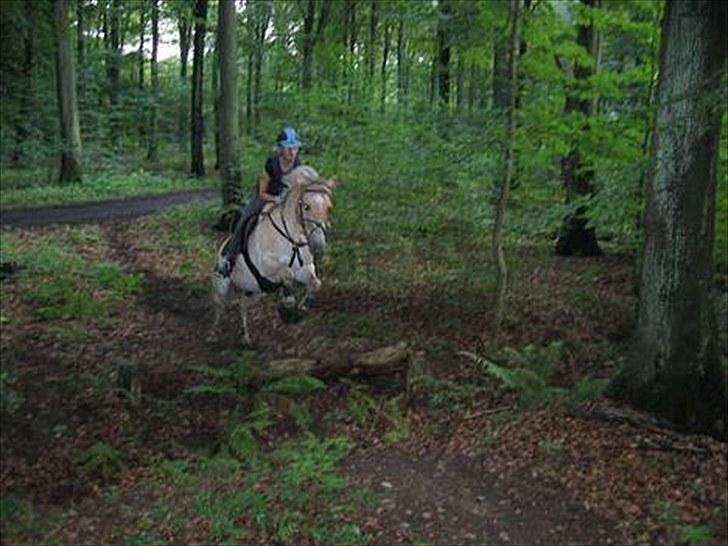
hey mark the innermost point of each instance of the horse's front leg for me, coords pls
(307, 277)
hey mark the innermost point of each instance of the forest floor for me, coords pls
(429, 467)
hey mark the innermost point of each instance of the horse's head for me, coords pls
(311, 195)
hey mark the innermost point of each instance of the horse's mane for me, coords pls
(304, 178)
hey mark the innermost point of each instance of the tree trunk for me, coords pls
(385, 58)
(80, 40)
(505, 187)
(153, 144)
(443, 53)
(308, 43)
(229, 143)
(215, 92)
(185, 36)
(401, 65)
(67, 106)
(142, 36)
(198, 128)
(261, 27)
(383, 361)
(673, 367)
(113, 73)
(373, 23)
(24, 120)
(574, 237)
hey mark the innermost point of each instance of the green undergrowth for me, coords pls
(20, 190)
(290, 494)
(59, 278)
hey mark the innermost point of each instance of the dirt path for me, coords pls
(100, 211)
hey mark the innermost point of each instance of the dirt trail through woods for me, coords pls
(101, 210)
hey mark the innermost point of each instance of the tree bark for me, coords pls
(383, 72)
(197, 133)
(442, 72)
(67, 105)
(382, 361)
(185, 37)
(80, 28)
(673, 367)
(505, 187)
(401, 65)
(261, 27)
(574, 237)
(113, 72)
(229, 143)
(153, 144)
(24, 120)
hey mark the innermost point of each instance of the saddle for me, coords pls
(265, 284)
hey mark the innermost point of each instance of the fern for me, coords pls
(295, 385)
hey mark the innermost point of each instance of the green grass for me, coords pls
(58, 279)
(18, 190)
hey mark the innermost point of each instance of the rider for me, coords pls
(270, 187)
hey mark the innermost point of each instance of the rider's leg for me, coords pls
(234, 247)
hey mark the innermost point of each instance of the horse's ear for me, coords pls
(331, 183)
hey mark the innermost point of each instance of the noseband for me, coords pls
(302, 221)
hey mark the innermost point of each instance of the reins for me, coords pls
(285, 231)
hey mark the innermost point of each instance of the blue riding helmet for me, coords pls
(288, 138)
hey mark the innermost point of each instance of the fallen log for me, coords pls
(382, 361)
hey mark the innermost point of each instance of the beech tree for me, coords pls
(67, 104)
(229, 142)
(198, 62)
(674, 365)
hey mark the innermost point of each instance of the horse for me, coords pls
(279, 253)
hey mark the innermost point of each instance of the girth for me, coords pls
(265, 284)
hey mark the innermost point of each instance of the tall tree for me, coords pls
(402, 87)
(153, 144)
(674, 366)
(312, 37)
(229, 143)
(198, 60)
(70, 170)
(442, 72)
(574, 237)
(113, 68)
(22, 124)
(510, 138)
(185, 36)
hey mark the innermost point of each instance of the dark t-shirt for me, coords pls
(273, 168)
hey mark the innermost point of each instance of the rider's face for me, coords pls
(289, 154)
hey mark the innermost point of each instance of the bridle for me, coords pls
(284, 231)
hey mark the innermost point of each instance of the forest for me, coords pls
(521, 330)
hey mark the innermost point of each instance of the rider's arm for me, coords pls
(263, 182)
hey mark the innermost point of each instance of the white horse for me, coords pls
(280, 250)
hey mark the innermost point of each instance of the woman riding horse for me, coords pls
(270, 187)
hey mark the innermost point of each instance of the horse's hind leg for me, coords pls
(220, 294)
(243, 304)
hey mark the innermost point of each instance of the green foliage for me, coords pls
(690, 535)
(144, 539)
(295, 385)
(10, 399)
(118, 283)
(58, 280)
(231, 380)
(529, 373)
(99, 462)
(526, 372)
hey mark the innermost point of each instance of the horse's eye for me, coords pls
(306, 207)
